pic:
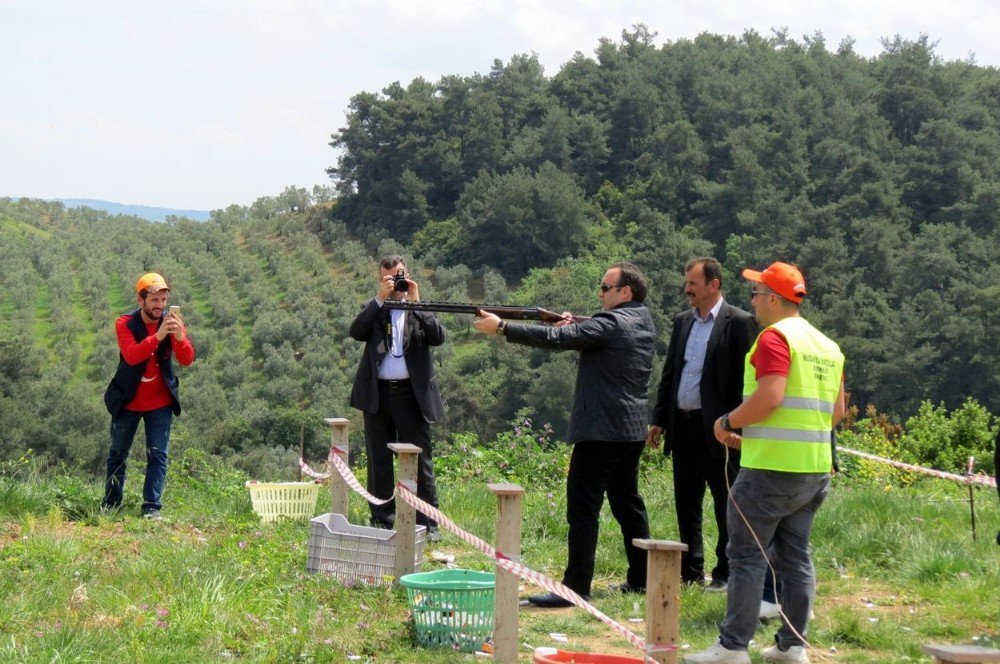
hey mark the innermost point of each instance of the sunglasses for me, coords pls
(605, 287)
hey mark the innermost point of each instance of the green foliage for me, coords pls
(877, 176)
(875, 435)
(523, 455)
(945, 440)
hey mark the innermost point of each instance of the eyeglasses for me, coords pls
(605, 287)
(755, 293)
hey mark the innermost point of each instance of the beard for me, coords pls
(152, 312)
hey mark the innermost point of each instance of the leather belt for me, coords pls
(396, 384)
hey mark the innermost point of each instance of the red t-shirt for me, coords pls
(772, 357)
(152, 392)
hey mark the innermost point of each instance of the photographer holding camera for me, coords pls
(395, 388)
(144, 388)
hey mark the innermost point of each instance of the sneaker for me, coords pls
(433, 535)
(152, 514)
(717, 654)
(796, 654)
(719, 586)
(627, 588)
(769, 611)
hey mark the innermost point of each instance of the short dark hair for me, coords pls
(630, 275)
(389, 262)
(710, 267)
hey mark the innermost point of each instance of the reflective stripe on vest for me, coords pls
(795, 437)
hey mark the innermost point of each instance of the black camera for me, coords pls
(399, 282)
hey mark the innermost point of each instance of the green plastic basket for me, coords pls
(451, 607)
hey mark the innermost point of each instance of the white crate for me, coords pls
(356, 553)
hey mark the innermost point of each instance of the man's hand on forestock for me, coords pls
(486, 322)
(567, 318)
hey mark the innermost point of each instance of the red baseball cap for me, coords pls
(782, 278)
(151, 282)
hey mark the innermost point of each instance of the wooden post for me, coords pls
(406, 516)
(663, 598)
(505, 602)
(972, 497)
(302, 445)
(338, 445)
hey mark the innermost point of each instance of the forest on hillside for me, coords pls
(877, 176)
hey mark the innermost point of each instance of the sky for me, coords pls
(199, 105)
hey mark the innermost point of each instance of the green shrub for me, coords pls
(523, 455)
(866, 435)
(939, 440)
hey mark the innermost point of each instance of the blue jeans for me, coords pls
(123, 428)
(780, 508)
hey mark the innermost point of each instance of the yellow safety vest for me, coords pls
(795, 437)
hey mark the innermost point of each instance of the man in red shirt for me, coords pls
(144, 388)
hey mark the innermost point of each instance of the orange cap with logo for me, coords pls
(782, 278)
(151, 282)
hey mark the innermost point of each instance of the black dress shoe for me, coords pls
(551, 601)
(627, 588)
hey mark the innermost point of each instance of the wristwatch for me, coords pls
(724, 423)
(502, 327)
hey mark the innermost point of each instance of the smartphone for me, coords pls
(175, 310)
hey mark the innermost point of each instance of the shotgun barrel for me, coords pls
(508, 312)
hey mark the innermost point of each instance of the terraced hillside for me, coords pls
(267, 303)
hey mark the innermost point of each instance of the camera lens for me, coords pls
(400, 282)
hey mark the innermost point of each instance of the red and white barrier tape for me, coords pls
(965, 479)
(345, 472)
(503, 561)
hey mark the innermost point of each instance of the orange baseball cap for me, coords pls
(151, 282)
(782, 278)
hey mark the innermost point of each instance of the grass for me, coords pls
(897, 568)
(43, 333)
(85, 335)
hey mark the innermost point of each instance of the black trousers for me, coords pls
(695, 467)
(596, 468)
(398, 420)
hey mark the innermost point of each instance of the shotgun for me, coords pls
(511, 313)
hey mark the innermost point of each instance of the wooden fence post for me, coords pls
(663, 598)
(406, 516)
(339, 446)
(505, 601)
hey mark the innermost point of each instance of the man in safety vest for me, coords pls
(793, 396)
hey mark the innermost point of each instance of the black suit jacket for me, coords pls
(722, 374)
(611, 398)
(421, 331)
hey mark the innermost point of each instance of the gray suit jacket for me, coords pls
(610, 400)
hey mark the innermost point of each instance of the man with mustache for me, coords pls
(702, 379)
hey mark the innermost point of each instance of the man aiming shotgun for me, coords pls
(607, 426)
